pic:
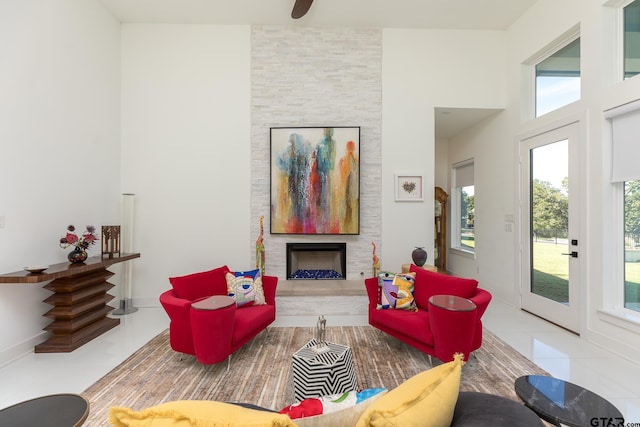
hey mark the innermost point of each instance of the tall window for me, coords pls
(463, 207)
(631, 16)
(625, 124)
(558, 79)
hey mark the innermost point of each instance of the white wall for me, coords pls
(59, 144)
(491, 148)
(186, 149)
(420, 68)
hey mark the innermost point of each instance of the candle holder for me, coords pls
(110, 240)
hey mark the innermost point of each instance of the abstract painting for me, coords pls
(315, 180)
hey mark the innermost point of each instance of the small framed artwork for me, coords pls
(409, 187)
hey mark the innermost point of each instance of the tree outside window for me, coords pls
(632, 245)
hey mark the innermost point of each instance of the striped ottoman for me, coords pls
(322, 374)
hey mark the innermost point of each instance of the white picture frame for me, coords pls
(409, 187)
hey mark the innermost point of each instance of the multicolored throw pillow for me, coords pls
(245, 287)
(396, 291)
(313, 406)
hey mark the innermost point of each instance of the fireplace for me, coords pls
(317, 261)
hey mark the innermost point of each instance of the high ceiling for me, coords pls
(458, 14)
(434, 14)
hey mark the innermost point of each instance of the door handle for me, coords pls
(573, 254)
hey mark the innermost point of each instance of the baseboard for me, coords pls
(627, 351)
(20, 350)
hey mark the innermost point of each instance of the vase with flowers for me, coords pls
(80, 243)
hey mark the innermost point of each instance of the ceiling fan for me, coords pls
(300, 8)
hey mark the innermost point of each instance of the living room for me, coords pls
(179, 114)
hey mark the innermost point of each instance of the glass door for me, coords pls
(550, 226)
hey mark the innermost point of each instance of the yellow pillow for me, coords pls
(197, 413)
(426, 399)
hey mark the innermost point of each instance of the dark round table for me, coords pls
(561, 402)
(56, 410)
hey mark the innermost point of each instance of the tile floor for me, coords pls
(560, 353)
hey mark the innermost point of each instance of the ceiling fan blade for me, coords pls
(300, 8)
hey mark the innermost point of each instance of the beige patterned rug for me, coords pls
(259, 371)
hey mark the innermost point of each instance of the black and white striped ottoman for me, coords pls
(322, 374)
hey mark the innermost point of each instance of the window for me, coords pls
(625, 125)
(558, 79)
(462, 207)
(631, 17)
(632, 245)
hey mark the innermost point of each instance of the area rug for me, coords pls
(259, 372)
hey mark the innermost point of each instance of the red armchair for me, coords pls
(213, 335)
(432, 330)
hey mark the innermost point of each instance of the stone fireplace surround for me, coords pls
(289, 87)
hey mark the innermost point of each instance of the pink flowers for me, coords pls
(87, 239)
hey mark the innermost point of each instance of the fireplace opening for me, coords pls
(317, 261)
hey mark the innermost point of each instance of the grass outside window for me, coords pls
(551, 274)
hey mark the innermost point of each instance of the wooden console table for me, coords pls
(79, 300)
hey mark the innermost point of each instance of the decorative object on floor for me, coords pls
(269, 355)
(408, 187)
(110, 240)
(81, 244)
(321, 330)
(419, 256)
(260, 247)
(375, 267)
(321, 374)
(440, 229)
(315, 180)
(126, 302)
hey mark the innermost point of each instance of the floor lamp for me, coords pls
(126, 304)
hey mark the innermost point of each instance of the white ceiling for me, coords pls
(435, 14)
(451, 121)
(454, 14)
